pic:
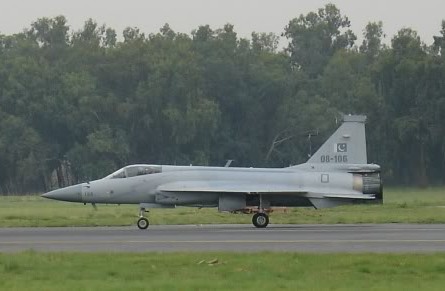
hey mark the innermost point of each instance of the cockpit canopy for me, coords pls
(135, 170)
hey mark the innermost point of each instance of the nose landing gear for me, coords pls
(143, 222)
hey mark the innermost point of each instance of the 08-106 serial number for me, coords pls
(334, 159)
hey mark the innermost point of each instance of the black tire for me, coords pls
(143, 223)
(260, 220)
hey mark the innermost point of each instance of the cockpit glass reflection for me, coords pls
(135, 170)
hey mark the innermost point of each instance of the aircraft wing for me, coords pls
(261, 188)
(228, 187)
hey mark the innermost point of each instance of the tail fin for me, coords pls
(346, 146)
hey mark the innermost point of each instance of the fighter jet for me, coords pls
(337, 174)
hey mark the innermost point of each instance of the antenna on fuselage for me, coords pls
(309, 136)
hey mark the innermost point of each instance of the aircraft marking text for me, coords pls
(334, 159)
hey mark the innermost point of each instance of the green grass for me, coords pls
(400, 205)
(192, 271)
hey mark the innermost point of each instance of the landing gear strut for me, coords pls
(142, 221)
(260, 219)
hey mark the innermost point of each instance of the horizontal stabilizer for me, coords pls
(361, 196)
(333, 200)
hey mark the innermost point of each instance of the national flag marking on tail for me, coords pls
(341, 147)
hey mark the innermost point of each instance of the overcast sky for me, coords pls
(247, 15)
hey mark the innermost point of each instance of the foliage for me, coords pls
(220, 271)
(87, 102)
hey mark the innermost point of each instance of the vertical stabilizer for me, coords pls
(346, 146)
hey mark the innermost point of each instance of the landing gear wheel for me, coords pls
(143, 223)
(260, 220)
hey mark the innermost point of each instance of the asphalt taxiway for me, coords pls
(239, 238)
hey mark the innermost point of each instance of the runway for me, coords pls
(238, 238)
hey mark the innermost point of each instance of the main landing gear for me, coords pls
(260, 219)
(143, 222)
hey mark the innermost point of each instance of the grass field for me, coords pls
(31, 270)
(221, 271)
(400, 205)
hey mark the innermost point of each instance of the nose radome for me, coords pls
(70, 193)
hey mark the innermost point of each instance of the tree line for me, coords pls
(76, 105)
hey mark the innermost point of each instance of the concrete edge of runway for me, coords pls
(325, 238)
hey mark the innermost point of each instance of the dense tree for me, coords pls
(439, 41)
(77, 105)
(315, 37)
(372, 42)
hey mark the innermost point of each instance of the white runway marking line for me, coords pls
(329, 230)
(227, 241)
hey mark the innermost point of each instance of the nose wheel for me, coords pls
(143, 222)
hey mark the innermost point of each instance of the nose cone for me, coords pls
(70, 193)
